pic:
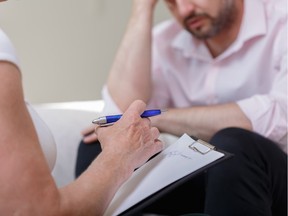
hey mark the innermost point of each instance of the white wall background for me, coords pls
(66, 47)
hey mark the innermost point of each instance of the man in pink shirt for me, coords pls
(217, 64)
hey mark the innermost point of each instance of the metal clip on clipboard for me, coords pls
(207, 147)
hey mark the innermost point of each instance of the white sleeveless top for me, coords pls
(7, 53)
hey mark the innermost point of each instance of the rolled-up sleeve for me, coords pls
(268, 112)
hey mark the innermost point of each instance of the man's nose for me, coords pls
(185, 7)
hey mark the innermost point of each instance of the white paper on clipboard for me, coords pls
(181, 158)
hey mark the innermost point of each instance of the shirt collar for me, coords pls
(254, 15)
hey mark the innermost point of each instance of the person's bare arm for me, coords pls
(202, 121)
(27, 185)
(126, 145)
(130, 76)
(25, 176)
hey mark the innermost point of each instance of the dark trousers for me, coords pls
(253, 182)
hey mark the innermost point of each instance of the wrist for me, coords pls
(144, 7)
(118, 168)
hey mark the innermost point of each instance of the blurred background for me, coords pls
(66, 47)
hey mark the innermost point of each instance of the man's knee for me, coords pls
(246, 144)
(232, 139)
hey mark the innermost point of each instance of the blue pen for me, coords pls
(107, 120)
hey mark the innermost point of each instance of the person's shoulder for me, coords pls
(167, 29)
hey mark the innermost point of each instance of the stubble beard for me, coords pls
(224, 21)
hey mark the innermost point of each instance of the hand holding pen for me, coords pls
(134, 138)
(89, 135)
(111, 119)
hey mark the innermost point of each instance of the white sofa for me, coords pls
(66, 120)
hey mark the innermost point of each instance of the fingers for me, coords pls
(137, 106)
(88, 130)
(147, 121)
(158, 143)
(133, 114)
(96, 128)
(90, 138)
(154, 132)
(136, 139)
(89, 135)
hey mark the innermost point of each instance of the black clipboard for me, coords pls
(194, 146)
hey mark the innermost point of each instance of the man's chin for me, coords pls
(202, 34)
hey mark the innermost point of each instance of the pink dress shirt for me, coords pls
(252, 72)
